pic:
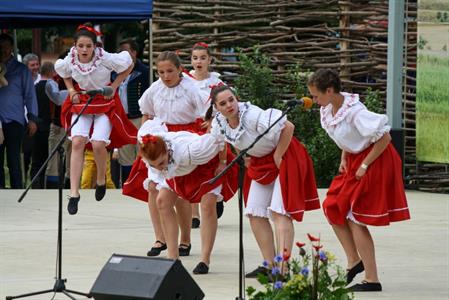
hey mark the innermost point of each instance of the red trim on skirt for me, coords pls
(378, 198)
(123, 130)
(296, 175)
(193, 186)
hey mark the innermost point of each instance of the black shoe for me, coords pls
(365, 286)
(195, 223)
(201, 268)
(72, 207)
(100, 191)
(358, 268)
(184, 250)
(155, 251)
(220, 209)
(256, 272)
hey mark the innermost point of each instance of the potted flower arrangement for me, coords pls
(311, 276)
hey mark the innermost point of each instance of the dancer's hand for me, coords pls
(74, 96)
(343, 166)
(114, 88)
(360, 173)
(220, 167)
(277, 160)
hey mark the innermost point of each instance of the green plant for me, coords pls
(372, 101)
(309, 277)
(256, 84)
(421, 42)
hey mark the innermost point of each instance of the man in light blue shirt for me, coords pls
(18, 94)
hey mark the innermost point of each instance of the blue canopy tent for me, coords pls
(41, 13)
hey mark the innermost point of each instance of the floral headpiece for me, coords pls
(201, 44)
(88, 28)
(149, 139)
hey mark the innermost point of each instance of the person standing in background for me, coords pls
(18, 94)
(31, 60)
(39, 152)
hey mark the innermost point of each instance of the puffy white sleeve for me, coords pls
(201, 105)
(118, 62)
(146, 102)
(203, 148)
(370, 124)
(262, 119)
(216, 130)
(62, 67)
(153, 127)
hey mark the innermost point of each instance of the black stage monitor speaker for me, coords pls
(126, 277)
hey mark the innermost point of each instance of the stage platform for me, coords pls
(413, 256)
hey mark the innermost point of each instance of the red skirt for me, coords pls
(123, 131)
(194, 185)
(378, 198)
(296, 175)
(133, 186)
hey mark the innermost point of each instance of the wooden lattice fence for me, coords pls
(347, 35)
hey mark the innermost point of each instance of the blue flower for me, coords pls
(275, 271)
(278, 285)
(278, 258)
(305, 271)
(323, 256)
(265, 264)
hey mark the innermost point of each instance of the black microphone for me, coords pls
(304, 102)
(106, 91)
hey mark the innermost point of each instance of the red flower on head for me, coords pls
(300, 245)
(285, 255)
(149, 139)
(312, 238)
(201, 44)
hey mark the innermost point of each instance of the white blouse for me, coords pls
(187, 150)
(253, 122)
(353, 128)
(205, 85)
(95, 74)
(176, 105)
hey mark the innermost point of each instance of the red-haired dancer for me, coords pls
(181, 164)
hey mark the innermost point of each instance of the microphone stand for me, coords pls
(59, 286)
(239, 159)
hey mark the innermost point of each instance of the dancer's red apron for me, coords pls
(378, 198)
(190, 187)
(296, 175)
(123, 131)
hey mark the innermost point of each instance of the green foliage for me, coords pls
(372, 101)
(314, 276)
(256, 84)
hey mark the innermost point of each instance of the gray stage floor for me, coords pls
(413, 256)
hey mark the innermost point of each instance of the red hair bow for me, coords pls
(212, 86)
(149, 139)
(88, 28)
(201, 44)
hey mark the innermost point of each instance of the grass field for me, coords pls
(432, 128)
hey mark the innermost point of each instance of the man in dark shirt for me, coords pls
(18, 94)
